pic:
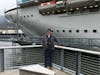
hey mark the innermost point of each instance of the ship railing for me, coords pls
(80, 14)
(68, 59)
(75, 42)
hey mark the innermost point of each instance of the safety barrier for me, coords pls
(71, 60)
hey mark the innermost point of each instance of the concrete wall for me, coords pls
(24, 72)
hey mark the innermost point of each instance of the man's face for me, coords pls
(49, 33)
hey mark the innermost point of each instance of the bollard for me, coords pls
(78, 63)
(1, 60)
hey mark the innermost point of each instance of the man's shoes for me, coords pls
(50, 68)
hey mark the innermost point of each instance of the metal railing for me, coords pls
(81, 61)
(85, 43)
(71, 60)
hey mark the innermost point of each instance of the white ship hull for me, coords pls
(62, 22)
(79, 25)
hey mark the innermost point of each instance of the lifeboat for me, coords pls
(81, 3)
(52, 7)
(48, 6)
(59, 4)
(66, 5)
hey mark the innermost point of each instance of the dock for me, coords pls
(66, 60)
(16, 72)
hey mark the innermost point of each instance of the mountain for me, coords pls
(4, 22)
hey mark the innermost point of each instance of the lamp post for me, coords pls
(17, 20)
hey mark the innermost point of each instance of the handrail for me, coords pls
(25, 46)
(56, 46)
(79, 50)
(62, 56)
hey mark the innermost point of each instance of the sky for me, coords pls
(6, 4)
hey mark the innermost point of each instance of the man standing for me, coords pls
(48, 45)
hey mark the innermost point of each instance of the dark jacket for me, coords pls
(48, 43)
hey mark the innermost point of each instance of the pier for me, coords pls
(16, 72)
(67, 60)
(76, 25)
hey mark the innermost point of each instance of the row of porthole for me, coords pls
(69, 30)
(28, 16)
(23, 16)
(76, 31)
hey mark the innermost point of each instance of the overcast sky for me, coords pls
(6, 4)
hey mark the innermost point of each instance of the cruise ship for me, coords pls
(68, 19)
(74, 22)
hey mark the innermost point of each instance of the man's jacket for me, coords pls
(48, 42)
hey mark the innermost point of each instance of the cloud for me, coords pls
(6, 4)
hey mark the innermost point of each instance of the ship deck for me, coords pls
(16, 72)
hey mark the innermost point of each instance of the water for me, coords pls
(4, 43)
(9, 54)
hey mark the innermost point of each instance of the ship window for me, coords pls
(85, 31)
(57, 30)
(11, 16)
(94, 31)
(70, 31)
(24, 16)
(27, 15)
(32, 15)
(63, 30)
(77, 31)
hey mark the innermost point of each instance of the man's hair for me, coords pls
(49, 30)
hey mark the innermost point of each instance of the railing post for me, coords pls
(62, 59)
(78, 63)
(99, 64)
(1, 60)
